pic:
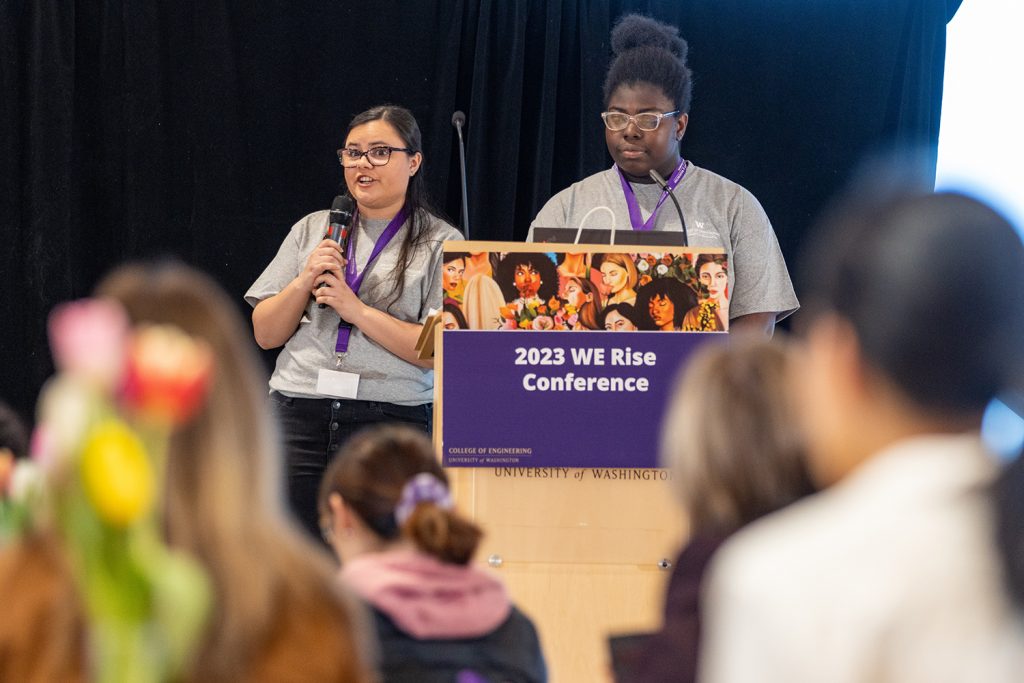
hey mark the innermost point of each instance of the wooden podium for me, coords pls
(582, 551)
(577, 520)
(581, 557)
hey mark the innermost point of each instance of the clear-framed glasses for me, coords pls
(377, 156)
(619, 120)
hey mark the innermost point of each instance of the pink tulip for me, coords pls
(88, 339)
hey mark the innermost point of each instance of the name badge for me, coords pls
(337, 384)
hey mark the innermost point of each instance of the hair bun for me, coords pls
(635, 30)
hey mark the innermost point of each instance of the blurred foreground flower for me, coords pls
(88, 338)
(67, 407)
(20, 488)
(103, 431)
(117, 474)
(168, 375)
(25, 483)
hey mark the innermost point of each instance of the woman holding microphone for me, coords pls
(332, 379)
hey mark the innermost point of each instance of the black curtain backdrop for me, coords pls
(203, 130)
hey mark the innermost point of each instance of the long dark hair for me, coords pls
(456, 312)
(417, 202)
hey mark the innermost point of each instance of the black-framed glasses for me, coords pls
(619, 120)
(377, 156)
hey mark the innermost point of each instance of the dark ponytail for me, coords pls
(442, 533)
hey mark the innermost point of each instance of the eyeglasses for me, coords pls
(617, 120)
(377, 156)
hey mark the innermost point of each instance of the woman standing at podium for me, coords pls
(330, 381)
(647, 102)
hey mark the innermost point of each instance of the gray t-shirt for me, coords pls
(383, 375)
(719, 213)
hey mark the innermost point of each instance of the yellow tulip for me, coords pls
(117, 474)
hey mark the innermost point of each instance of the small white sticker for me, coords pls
(337, 384)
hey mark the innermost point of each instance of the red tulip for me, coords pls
(168, 374)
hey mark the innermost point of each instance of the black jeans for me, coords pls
(312, 431)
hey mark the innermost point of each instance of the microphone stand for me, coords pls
(459, 120)
(672, 195)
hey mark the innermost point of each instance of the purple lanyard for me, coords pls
(634, 205)
(354, 279)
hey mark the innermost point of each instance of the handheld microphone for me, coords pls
(672, 195)
(340, 227)
(459, 120)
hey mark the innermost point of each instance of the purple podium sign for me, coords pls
(558, 399)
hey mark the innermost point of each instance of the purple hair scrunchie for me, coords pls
(423, 488)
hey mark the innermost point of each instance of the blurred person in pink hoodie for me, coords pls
(386, 510)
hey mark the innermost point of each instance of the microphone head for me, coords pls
(458, 119)
(342, 209)
(656, 177)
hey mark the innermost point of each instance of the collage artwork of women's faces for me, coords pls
(677, 290)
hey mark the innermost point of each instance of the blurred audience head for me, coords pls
(223, 474)
(384, 487)
(13, 433)
(13, 445)
(223, 494)
(730, 437)
(913, 321)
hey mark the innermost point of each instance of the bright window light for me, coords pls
(981, 137)
(1003, 431)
